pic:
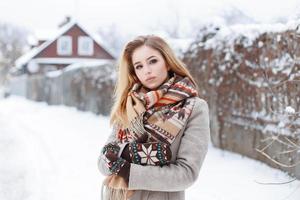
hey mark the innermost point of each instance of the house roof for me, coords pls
(74, 66)
(35, 51)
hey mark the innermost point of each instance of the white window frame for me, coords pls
(80, 48)
(64, 40)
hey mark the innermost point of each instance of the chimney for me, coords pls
(40, 42)
(66, 20)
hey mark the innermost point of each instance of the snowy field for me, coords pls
(50, 153)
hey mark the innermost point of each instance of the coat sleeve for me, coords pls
(182, 173)
(101, 162)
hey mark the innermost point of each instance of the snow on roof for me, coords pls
(33, 52)
(53, 74)
(78, 65)
(86, 65)
(54, 60)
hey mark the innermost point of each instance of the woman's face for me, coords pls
(149, 66)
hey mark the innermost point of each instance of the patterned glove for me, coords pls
(110, 154)
(115, 164)
(112, 147)
(151, 153)
(118, 166)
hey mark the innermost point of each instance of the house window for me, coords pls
(64, 45)
(85, 46)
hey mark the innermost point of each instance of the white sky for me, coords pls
(134, 15)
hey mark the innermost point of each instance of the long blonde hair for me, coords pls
(127, 77)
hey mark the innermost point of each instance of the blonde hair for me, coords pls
(127, 77)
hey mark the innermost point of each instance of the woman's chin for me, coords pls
(150, 86)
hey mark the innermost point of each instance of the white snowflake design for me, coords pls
(148, 156)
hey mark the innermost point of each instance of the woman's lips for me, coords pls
(150, 79)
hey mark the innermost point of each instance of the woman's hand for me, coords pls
(115, 164)
(118, 165)
(112, 147)
(126, 155)
(111, 156)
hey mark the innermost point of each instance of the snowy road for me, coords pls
(50, 153)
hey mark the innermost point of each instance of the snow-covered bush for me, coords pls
(249, 74)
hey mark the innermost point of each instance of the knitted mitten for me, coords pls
(112, 146)
(110, 153)
(118, 166)
(151, 153)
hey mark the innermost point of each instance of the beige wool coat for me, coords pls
(188, 153)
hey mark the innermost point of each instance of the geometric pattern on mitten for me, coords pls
(115, 166)
(113, 162)
(112, 146)
(151, 153)
(110, 156)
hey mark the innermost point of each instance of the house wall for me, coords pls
(74, 32)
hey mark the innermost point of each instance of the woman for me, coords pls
(160, 126)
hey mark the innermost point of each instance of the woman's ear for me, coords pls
(168, 68)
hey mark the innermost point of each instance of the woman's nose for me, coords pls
(147, 69)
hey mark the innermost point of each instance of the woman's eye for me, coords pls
(136, 67)
(153, 61)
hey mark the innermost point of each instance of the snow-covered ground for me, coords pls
(50, 153)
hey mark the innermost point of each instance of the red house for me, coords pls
(72, 44)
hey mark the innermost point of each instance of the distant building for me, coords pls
(72, 44)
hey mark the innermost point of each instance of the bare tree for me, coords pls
(12, 44)
(171, 23)
(113, 38)
(284, 106)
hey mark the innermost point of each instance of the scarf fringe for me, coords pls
(110, 193)
(137, 125)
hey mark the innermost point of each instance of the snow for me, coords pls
(230, 33)
(282, 127)
(84, 65)
(53, 74)
(250, 64)
(50, 152)
(283, 64)
(278, 38)
(2, 91)
(33, 67)
(78, 65)
(258, 82)
(87, 64)
(290, 110)
(54, 60)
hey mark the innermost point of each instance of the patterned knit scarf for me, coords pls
(160, 113)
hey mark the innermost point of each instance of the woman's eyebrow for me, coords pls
(147, 59)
